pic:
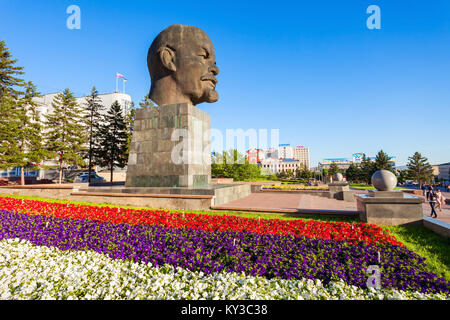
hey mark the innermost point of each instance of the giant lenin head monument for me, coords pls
(170, 146)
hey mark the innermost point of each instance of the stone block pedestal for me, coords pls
(390, 208)
(341, 191)
(170, 147)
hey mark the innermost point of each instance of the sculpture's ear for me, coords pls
(167, 56)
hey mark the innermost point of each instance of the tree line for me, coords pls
(73, 134)
(418, 169)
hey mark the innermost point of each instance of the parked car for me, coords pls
(84, 177)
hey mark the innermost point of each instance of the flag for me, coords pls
(121, 76)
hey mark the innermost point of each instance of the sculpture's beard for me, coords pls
(206, 93)
(210, 95)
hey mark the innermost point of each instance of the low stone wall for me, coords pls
(437, 226)
(193, 201)
(319, 193)
(233, 192)
(221, 180)
(46, 191)
(170, 201)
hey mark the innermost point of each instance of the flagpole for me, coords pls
(117, 83)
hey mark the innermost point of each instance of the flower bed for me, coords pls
(55, 274)
(268, 256)
(93, 252)
(352, 233)
(290, 188)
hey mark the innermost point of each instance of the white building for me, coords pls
(44, 107)
(278, 165)
(285, 151)
(45, 102)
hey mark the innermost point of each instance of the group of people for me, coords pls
(435, 198)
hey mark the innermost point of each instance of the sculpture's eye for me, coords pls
(204, 54)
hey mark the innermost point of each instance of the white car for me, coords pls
(84, 177)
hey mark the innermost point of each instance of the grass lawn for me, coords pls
(424, 242)
(369, 187)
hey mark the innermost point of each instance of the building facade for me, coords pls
(301, 154)
(277, 166)
(255, 155)
(344, 163)
(44, 107)
(444, 171)
(44, 102)
(285, 151)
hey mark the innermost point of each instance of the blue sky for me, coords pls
(309, 68)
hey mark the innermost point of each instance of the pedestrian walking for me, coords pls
(424, 189)
(440, 200)
(432, 198)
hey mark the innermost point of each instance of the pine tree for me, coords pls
(8, 73)
(129, 119)
(147, 102)
(66, 136)
(94, 114)
(9, 131)
(382, 161)
(419, 169)
(29, 137)
(9, 95)
(353, 173)
(333, 169)
(368, 168)
(114, 137)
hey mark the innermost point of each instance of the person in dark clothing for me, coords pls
(424, 189)
(432, 198)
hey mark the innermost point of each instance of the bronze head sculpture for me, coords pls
(182, 66)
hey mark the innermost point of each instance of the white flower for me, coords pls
(33, 272)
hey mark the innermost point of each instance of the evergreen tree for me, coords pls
(29, 137)
(333, 169)
(147, 102)
(114, 138)
(419, 169)
(9, 80)
(382, 162)
(325, 174)
(66, 136)
(129, 119)
(368, 168)
(94, 111)
(353, 173)
(9, 121)
(9, 131)
(403, 175)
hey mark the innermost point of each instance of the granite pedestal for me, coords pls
(390, 208)
(170, 147)
(341, 191)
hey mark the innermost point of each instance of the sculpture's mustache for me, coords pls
(210, 78)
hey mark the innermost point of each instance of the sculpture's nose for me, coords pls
(214, 69)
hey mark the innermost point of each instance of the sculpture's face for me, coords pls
(196, 68)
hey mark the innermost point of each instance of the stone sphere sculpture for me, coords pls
(384, 180)
(338, 177)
